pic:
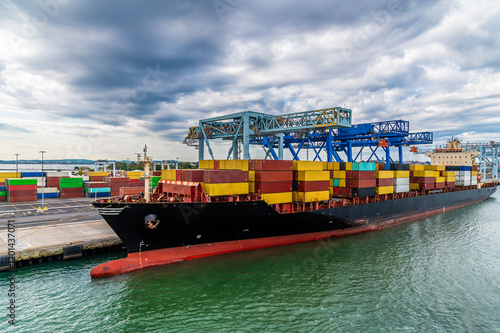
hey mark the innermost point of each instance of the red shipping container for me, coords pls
(336, 190)
(138, 184)
(347, 191)
(313, 186)
(195, 175)
(130, 191)
(71, 195)
(424, 180)
(474, 168)
(22, 193)
(113, 180)
(135, 181)
(69, 190)
(25, 198)
(385, 182)
(216, 164)
(273, 176)
(96, 178)
(360, 175)
(96, 184)
(273, 187)
(156, 173)
(439, 185)
(450, 184)
(225, 176)
(361, 183)
(426, 186)
(3, 199)
(270, 165)
(21, 187)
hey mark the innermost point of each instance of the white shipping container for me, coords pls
(462, 182)
(402, 188)
(47, 190)
(58, 174)
(473, 180)
(401, 181)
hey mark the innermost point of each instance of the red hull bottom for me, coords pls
(140, 260)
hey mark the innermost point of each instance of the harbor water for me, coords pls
(439, 274)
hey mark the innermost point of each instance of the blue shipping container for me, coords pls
(98, 195)
(32, 174)
(465, 168)
(46, 195)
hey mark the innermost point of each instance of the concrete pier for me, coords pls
(54, 237)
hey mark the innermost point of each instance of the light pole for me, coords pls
(127, 163)
(42, 152)
(177, 164)
(17, 155)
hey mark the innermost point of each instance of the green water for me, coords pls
(440, 274)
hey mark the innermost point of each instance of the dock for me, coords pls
(50, 236)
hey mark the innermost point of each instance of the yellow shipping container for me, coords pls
(336, 166)
(342, 182)
(251, 176)
(305, 176)
(384, 174)
(435, 167)
(99, 173)
(448, 174)
(331, 190)
(251, 187)
(233, 165)
(423, 173)
(348, 166)
(311, 196)
(331, 182)
(401, 174)
(329, 166)
(417, 167)
(439, 180)
(207, 164)
(339, 174)
(308, 165)
(414, 186)
(385, 189)
(473, 173)
(277, 198)
(217, 190)
(167, 174)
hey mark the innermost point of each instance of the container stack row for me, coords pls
(311, 181)
(272, 180)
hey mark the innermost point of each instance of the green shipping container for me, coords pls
(70, 182)
(21, 181)
(2, 193)
(336, 182)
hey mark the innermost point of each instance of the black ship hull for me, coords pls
(160, 233)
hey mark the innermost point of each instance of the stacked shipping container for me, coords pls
(272, 179)
(71, 187)
(310, 181)
(361, 178)
(21, 190)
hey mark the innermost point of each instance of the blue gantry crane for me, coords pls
(370, 136)
(248, 124)
(321, 130)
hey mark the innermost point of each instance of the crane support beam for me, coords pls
(257, 124)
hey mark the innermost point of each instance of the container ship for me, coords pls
(236, 205)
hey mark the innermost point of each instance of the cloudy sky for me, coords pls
(99, 79)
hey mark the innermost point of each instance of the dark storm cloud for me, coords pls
(170, 63)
